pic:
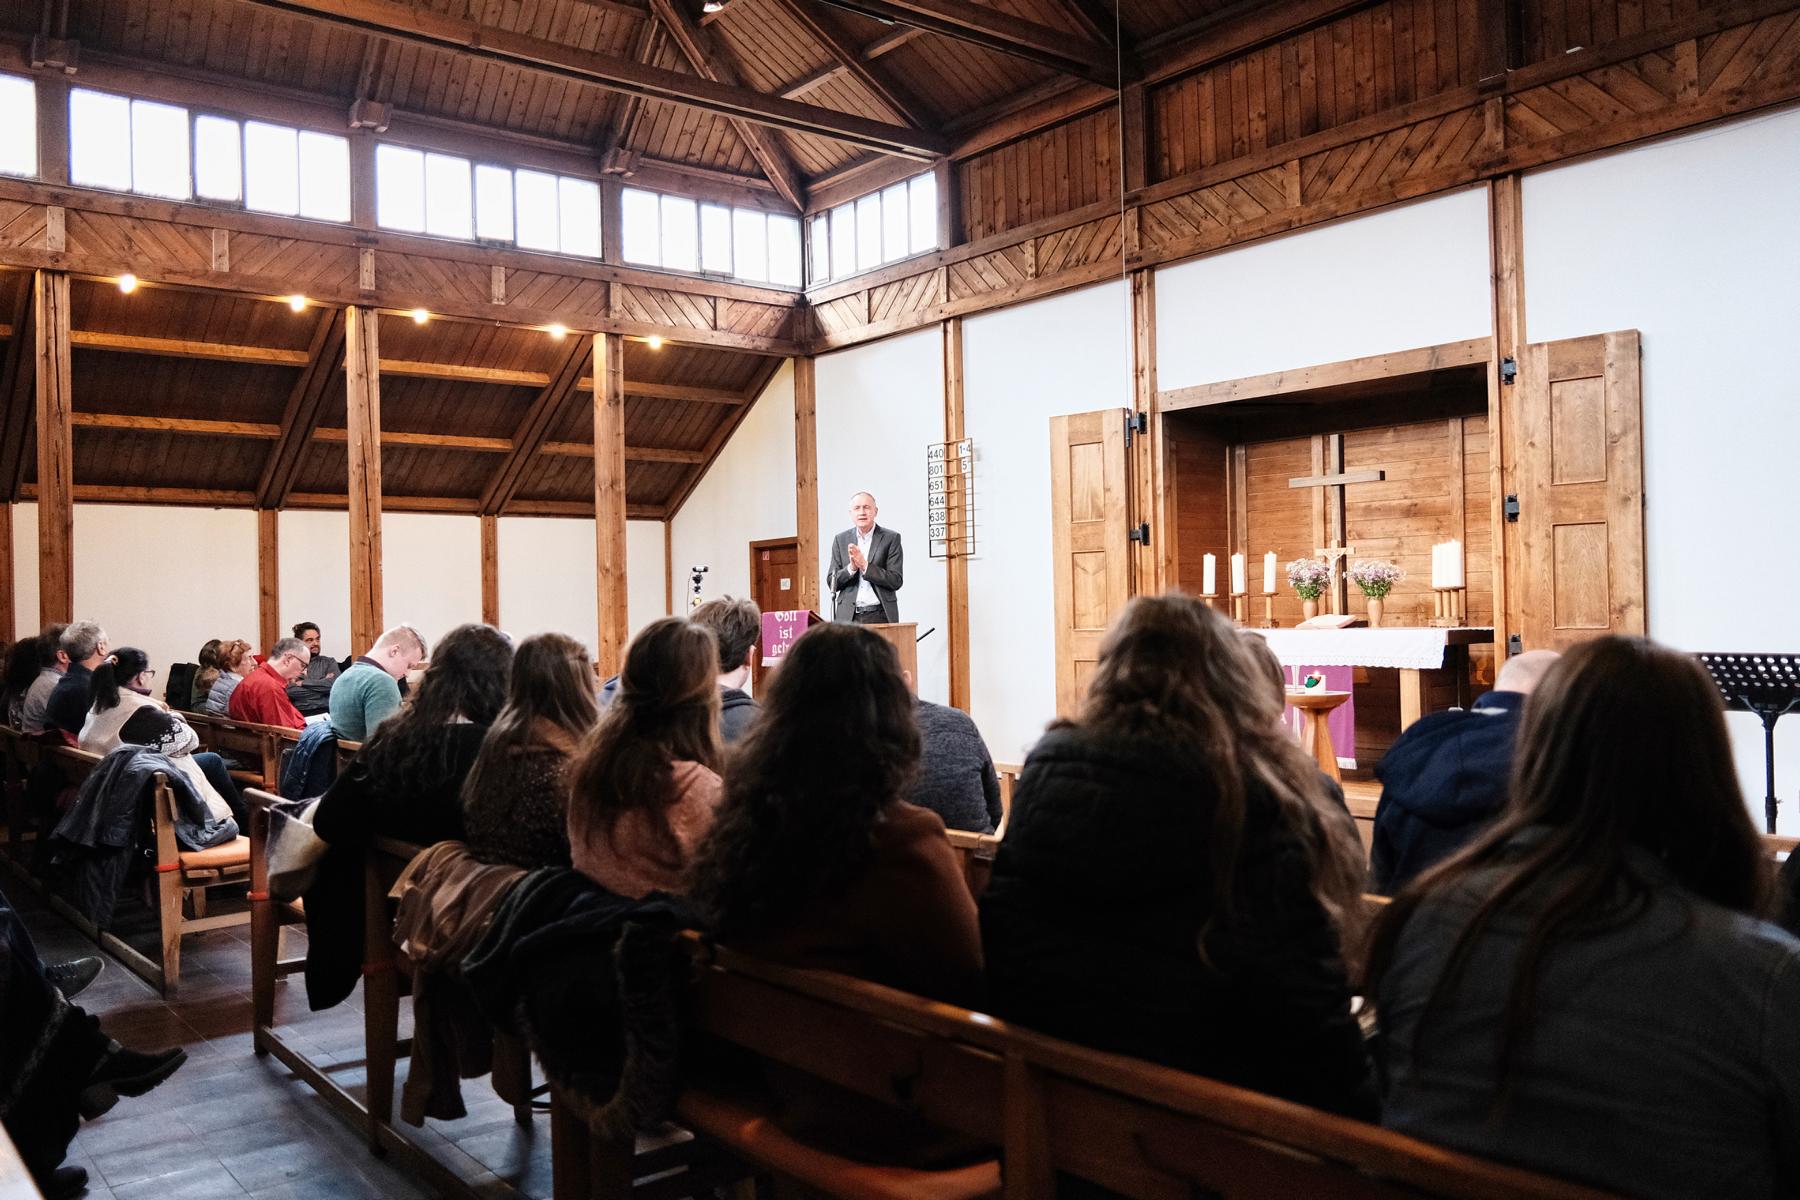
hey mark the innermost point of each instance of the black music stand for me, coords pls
(1767, 685)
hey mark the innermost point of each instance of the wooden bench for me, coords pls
(245, 742)
(18, 755)
(1045, 1105)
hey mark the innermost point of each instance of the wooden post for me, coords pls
(1507, 260)
(957, 572)
(8, 618)
(362, 178)
(950, 231)
(362, 418)
(56, 462)
(609, 502)
(806, 481)
(268, 576)
(1134, 135)
(490, 569)
(53, 129)
(669, 567)
(1154, 565)
(612, 221)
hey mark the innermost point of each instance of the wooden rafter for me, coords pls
(1098, 19)
(419, 26)
(705, 56)
(722, 434)
(887, 43)
(16, 395)
(539, 420)
(621, 126)
(1000, 32)
(895, 98)
(300, 416)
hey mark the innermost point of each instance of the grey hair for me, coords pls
(870, 495)
(80, 640)
(293, 646)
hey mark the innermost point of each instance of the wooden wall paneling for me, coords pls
(55, 450)
(18, 400)
(9, 621)
(1199, 493)
(1277, 517)
(1506, 258)
(362, 403)
(490, 569)
(1418, 502)
(957, 566)
(806, 479)
(268, 576)
(609, 504)
(1090, 486)
(539, 422)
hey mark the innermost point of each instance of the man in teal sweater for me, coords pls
(370, 688)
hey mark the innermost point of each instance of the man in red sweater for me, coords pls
(262, 698)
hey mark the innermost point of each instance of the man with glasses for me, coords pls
(262, 699)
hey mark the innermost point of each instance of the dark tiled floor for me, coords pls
(231, 1124)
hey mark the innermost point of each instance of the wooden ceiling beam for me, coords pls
(131, 343)
(534, 431)
(300, 415)
(133, 422)
(704, 55)
(1000, 32)
(722, 434)
(462, 373)
(673, 391)
(657, 454)
(17, 394)
(581, 508)
(428, 441)
(896, 99)
(416, 25)
(628, 110)
(1098, 19)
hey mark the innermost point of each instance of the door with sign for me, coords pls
(774, 580)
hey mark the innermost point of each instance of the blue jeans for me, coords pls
(213, 767)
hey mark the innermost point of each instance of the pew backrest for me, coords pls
(262, 745)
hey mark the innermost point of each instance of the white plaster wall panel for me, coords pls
(430, 571)
(25, 568)
(645, 589)
(547, 577)
(314, 563)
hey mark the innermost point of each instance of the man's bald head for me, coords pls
(1522, 672)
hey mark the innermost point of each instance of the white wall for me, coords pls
(1612, 243)
(25, 569)
(547, 576)
(430, 571)
(646, 576)
(746, 496)
(1414, 275)
(879, 406)
(314, 565)
(1022, 366)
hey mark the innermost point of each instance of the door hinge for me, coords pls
(1140, 533)
(1509, 370)
(1511, 508)
(1514, 645)
(1135, 423)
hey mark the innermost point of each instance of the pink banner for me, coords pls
(1342, 721)
(779, 629)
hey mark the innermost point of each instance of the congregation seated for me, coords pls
(1587, 989)
(366, 693)
(311, 693)
(1446, 776)
(516, 798)
(738, 626)
(206, 673)
(956, 777)
(125, 713)
(645, 786)
(21, 673)
(405, 783)
(261, 698)
(33, 703)
(84, 646)
(1168, 887)
(236, 660)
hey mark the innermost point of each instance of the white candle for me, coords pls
(1437, 564)
(1237, 575)
(1209, 575)
(1453, 564)
(1269, 573)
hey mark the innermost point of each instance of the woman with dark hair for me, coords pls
(1587, 989)
(646, 786)
(816, 858)
(21, 673)
(235, 661)
(207, 673)
(516, 799)
(125, 712)
(1168, 887)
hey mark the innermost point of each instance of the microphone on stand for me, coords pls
(925, 635)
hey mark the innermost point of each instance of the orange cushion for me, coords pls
(749, 1132)
(235, 853)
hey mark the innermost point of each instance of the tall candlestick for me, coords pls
(1269, 573)
(1237, 575)
(1209, 575)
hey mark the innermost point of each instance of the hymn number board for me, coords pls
(950, 493)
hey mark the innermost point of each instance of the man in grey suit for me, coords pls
(866, 568)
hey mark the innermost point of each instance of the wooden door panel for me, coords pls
(1089, 486)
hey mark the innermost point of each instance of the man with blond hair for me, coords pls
(369, 689)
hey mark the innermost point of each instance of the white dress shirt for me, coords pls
(865, 594)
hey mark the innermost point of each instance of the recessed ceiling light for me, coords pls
(420, 316)
(713, 6)
(297, 302)
(557, 330)
(128, 283)
(654, 342)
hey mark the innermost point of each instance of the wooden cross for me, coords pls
(1330, 477)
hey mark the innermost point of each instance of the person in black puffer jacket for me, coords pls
(1167, 887)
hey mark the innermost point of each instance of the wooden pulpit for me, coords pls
(904, 637)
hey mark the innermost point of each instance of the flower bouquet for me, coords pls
(1376, 579)
(1309, 577)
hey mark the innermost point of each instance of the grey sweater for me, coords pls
(956, 777)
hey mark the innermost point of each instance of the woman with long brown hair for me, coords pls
(1168, 887)
(516, 799)
(646, 782)
(1587, 988)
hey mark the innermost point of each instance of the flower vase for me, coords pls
(1375, 603)
(1309, 609)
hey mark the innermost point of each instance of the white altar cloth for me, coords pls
(1406, 648)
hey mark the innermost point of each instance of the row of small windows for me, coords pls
(882, 227)
(679, 234)
(417, 191)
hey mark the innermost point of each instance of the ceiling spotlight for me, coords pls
(297, 302)
(420, 316)
(654, 342)
(713, 6)
(557, 330)
(128, 283)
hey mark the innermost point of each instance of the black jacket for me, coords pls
(1091, 927)
(70, 700)
(737, 713)
(1441, 782)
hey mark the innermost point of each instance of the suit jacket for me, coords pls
(885, 573)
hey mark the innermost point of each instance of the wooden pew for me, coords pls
(18, 755)
(245, 742)
(1050, 1106)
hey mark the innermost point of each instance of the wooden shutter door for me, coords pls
(1580, 483)
(1090, 489)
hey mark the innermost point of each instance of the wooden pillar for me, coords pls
(806, 481)
(947, 176)
(9, 621)
(53, 129)
(1154, 565)
(490, 569)
(957, 565)
(1134, 135)
(1507, 256)
(55, 455)
(612, 221)
(362, 179)
(669, 567)
(362, 417)
(609, 502)
(268, 577)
